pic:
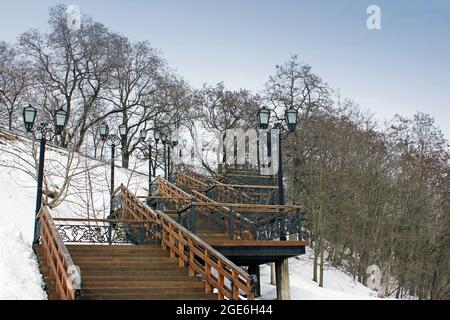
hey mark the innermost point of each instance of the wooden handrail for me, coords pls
(190, 182)
(200, 177)
(133, 209)
(172, 192)
(223, 188)
(67, 281)
(201, 258)
(195, 254)
(162, 197)
(250, 186)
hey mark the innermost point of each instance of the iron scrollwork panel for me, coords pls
(108, 233)
(279, 226)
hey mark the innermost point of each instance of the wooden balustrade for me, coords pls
(196, 255)
(225, 193)
(191, 183)
(172, 192)
(58, 259)
(200, 177)
(202, 259)
(131, 209)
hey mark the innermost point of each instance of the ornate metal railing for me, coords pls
(240, 226)
(243, 221)
(278, 226)
(107, 231)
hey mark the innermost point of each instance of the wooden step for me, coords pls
(128, 268)
(173, 270)
(151, 296)
(134, 259)
(113, 248)
(91, 281)
(128, 272)
(87, 254)
(143, 285)
(130, 264)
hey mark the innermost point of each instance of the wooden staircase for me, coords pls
(141, 254)
(120, 272)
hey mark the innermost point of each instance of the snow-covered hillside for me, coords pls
(19, 275)
(337, 284)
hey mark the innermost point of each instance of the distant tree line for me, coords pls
(372, 196)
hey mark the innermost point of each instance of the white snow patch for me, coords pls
(337, 284)
(19, 274)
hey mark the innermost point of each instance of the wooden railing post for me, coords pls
(180, 249)
(171, 242)
(163, 234)
(208, 287)
(234, 286)
(191, 259)
(221, 280)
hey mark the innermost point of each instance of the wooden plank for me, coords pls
(249, 186)
(257, 243)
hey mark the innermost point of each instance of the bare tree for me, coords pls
(15, 81)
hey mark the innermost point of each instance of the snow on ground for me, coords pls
(337, 284)
(19, 272)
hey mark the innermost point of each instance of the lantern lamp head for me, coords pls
(143, 135)
(60, 119)
(29, 116)
(291, 119)
(123, 131)
(157, 136)
(263, 118)
(104, 131)
(163, 138)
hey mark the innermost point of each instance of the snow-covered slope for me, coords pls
(19, 275)
(89, 192)
(337, 284)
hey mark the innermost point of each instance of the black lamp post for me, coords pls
(291, 118)
(113, 141)
(149, 145)
(163, 137)
(43, 133)
(157, 136)
(172, 144)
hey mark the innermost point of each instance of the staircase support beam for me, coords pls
(282, 275)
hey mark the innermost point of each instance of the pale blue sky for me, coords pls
(402, 68)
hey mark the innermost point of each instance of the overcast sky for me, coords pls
(401, 68)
